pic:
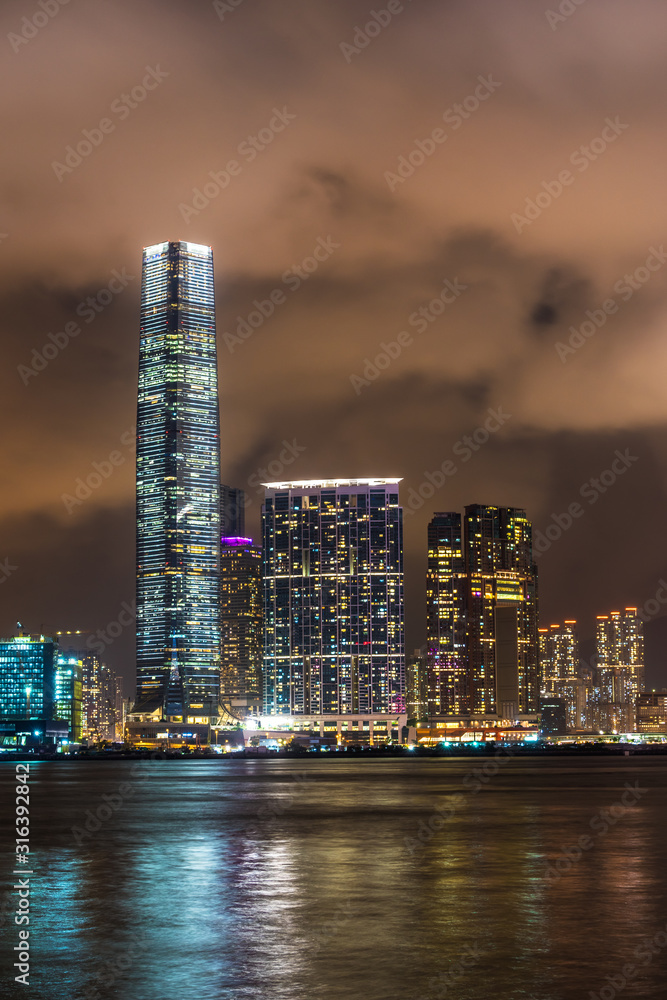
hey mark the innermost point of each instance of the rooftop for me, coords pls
(329, 484)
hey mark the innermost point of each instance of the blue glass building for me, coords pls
(333, 598)
(27, 677)
(178, 486)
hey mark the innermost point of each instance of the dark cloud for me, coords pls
(526, 331)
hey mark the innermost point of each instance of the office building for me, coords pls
(553, 713)
(28, 692)
(333, 598)
(27, 677)
(178, 488)
(652, 712)
(482, 615)
(241, 626)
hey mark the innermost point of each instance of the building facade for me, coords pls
(241, 626)
(446, 617)
(559, 671)
(68, 693)
(102, 714)
(482, 614)
(36, 699)
(333, 598)
(619, 672)
(27, 677)
(178, 486)
(652, 712)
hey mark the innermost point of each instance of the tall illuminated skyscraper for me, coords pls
(178, 486)
(482, 614)
(333, 598)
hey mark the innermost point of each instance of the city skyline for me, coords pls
(365, 324)
(334, 640)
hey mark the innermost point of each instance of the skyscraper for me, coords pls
(619, 674)
(446, 636)
(559, 666)
(178, 486)
(101, 709)
(482, 614)
(333, 598)
(241, 619)
(233, 502)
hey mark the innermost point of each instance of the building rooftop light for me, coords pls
(304, 484)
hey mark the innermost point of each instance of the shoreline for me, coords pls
(605, 750)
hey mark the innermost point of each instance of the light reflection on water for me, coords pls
(290, 879)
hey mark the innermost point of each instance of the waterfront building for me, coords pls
(482, 614)
(178, 488)
(554, 720)
(102, 716)
(559, 666)
(446, 617)
(68, 689)
(652, 712)
(27, 677)
(619, 672)
(241, 624)
(29, 693)
(333, 598)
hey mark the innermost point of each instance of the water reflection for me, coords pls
(290, 879)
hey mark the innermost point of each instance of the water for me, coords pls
(305, 879)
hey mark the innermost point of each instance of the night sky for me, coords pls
(535, 206)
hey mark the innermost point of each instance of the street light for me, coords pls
(27, 694)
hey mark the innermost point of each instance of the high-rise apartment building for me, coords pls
(333, 598)
(102, 714)
(619, 673)
(446, 621)
(482, 614)
(241, 621)
(559, 670)
(178, 487)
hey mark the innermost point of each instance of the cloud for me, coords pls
(324, 177)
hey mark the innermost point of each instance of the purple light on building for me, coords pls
(235, 540)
